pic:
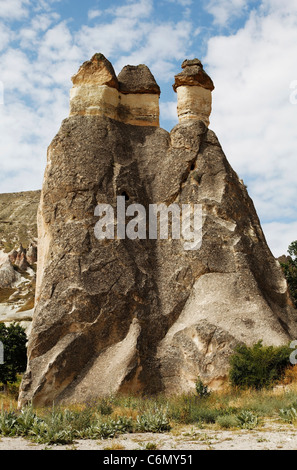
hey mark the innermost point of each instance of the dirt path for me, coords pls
(268, 437)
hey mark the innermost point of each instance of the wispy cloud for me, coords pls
(92, 14)
(223, 11)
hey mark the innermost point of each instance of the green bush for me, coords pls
(14, 341)
(258, 366)
(201, 389)
(290, 270)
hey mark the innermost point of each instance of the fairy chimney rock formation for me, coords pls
(141, 314)
(193, 87)
(132, 97)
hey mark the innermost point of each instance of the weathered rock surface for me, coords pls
(18, 225)
(133, 97)
(145, 315)
(18, 256)
(7, 274)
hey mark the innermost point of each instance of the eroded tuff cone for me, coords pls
(145, 315)
(132, 98)
(193, 87)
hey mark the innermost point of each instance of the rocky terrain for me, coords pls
(140, 314)
(18, 256)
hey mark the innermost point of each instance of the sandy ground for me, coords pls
(271, 436)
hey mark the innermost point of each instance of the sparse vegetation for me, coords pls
(230, 409)
(235, 407)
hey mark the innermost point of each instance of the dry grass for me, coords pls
(114, 446)
(290, 377)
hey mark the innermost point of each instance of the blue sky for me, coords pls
(249, 48)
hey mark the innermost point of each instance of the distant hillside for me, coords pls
(18, 237)
(18, 219)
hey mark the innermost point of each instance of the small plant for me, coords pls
(8, 420)
(105, 407)
(201, 389)
(227, 421)
(153, 421)
(288, 414)
(247, 420)
(115, 446)
(151, 446)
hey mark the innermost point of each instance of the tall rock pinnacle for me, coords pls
(193, 87)
(130, 312)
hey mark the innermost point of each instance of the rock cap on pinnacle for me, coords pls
(193, 74)
(98, 70)
(138, 79)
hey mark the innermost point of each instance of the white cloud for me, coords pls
(140, 9)
(168, 111)
(279, 236)
(14, 9)
(92, 14)
(6, 36)
(162, 46)
(225, 10)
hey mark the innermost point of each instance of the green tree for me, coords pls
(290, 270)
(13, 339)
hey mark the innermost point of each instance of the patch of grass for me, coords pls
(115, 446)
(227, 421)
(151, 446)
(289, 414)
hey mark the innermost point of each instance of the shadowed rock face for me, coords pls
(145, 315)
